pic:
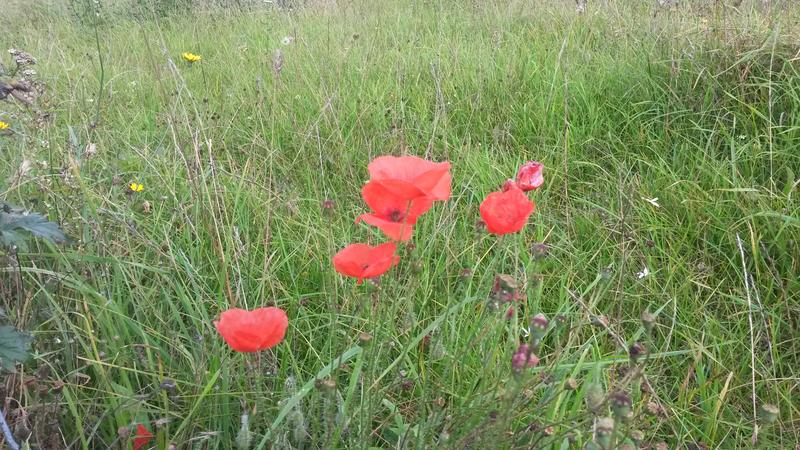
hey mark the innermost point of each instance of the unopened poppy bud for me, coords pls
(571, 384)
(653, 409)
(480, 226)
(540, 251)
(600, 321)
(637, 436)
(169, 386)
(769, 413)
(505, 289)
(606, 274)
(523, 358)
(594, 397)
(123, 432)
(364, 337)
(603, 430)
(648, 321)
(326, 385)
(417, 266)
(637, 351)
(510, 313)
(508, 184)
(465, 273)
(539, 325)
(328, 205)
(621, 406)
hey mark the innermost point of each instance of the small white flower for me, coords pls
(645, 272)
(287, 40)
(653, 201)
(742, 137)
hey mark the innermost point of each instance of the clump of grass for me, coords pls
(663, 137)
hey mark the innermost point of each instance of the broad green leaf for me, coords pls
(14, 346)
(13, 220)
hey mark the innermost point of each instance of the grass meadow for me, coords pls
(670, 139)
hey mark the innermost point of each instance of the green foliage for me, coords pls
(14, 347)
(663, 138)
(14, 222)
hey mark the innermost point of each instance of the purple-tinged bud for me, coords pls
(539, 251)
(523, 358)
(603, 431)
(539, 325)
(637, 351)
(621, 406)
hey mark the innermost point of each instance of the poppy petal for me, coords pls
(506, 212)
(252, 331)
(364, 261)
(142, 437)
(396, 231)
(431, 177)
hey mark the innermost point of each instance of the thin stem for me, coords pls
(7, 432)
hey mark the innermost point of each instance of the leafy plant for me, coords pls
(15, 221)
(14, 346)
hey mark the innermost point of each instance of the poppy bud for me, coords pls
(637, 351)
(416, 267)
(523, 358)
(769, 413)
(480, 226)
(637, 436)
(328, 205)
(594, 397)
(653, 409)
(539, 325)
(530, 176)
(539, 251)
(621, 406)
(169, 386)
(510, 313)
(603, 430)
(505, 289)
(123, 432)
(571, 384)
(465, 273)
(648, 321)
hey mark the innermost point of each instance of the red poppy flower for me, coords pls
(365, 261)
(396, 205)
(506, 212)
(251, 331)
(142, 437)
(431, 177)
(530, 176)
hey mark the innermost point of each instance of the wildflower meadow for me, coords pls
(240, 224)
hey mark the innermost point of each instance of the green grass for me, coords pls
(697, 107)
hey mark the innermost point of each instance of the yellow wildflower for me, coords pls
(136, 187)
(3, 125)
(191, 57)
